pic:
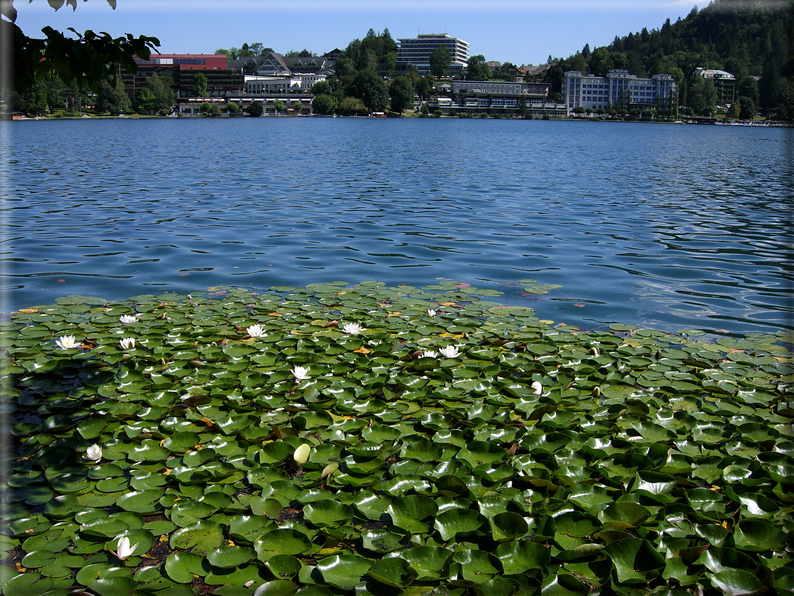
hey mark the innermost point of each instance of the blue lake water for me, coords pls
(660, 225)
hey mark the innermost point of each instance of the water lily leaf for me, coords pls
(430, 562)
(228, 557)
(481, 452)
(420, 450)
(394, 572)
(285, 542)
(283, 566)
(180, 442)
(282, 587)
(105, 527)
(145, 502)
(624, 515)
(383, 540)
(343, 571)
(327, 513)
(62, 506)
(508, 526)
(635, 560)
(38, 558)
(93, 572)
(758, 535)
(590, 497)
(736, 582)
(562, 584)
(187, 511)
(522, 556)
(203, 536)
(371, 505)
(454, 521)
(408, 512)
(237, 576)
(715, 534)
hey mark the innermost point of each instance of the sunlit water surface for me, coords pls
(668, 226)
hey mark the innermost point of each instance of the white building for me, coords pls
(294, 83)
(618, 89)
(417, 51)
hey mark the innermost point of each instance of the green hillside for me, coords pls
(751, 40)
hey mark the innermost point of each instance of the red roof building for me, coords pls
(187, 61)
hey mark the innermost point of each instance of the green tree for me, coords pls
(401, 93)
(370, 89)
(747, 87)
(215, 110)
(88, 60)
(746, 108)
(158, 96)
(144, 101)
(200, 85)
(477, 69)
(232, 108)
(390, 62)
(297, 106)
(733, 111)
(424, 86)
(278, 105)
(324, 104)
(204, 108)
(255, 109)
(440, 61)
(352, 106)
(113, 99)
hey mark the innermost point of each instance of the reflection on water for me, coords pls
(663, 225)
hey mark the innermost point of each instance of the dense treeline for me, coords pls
(51, 96)
(357, 87)
(751, 40)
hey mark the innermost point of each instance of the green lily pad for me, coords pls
(343, 571)
(203, 536)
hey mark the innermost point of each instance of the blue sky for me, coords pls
(519, 31)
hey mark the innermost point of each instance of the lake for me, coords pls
(658, 225)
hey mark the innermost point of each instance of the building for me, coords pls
(618, 89)
(186, 61)
(183, 68)
(274, 73)
(498, 97)
(417, 51)
(724, 83)
(295, 83)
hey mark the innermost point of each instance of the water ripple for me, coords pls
(662, 225)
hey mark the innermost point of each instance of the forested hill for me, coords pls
(748, 38)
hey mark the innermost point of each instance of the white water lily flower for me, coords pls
(66, 342)
(429, 354)
(256, 330)
(127, 319)
(127, 343)
(537, 388)
(450, 352)
(431, 313)
(94, 453)
(594, 351)
(301, 373)
(352, 328)
(124, 549)
(301, 454)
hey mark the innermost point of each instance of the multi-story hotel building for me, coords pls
(417, 51)
(183, 69)
(618, 89)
